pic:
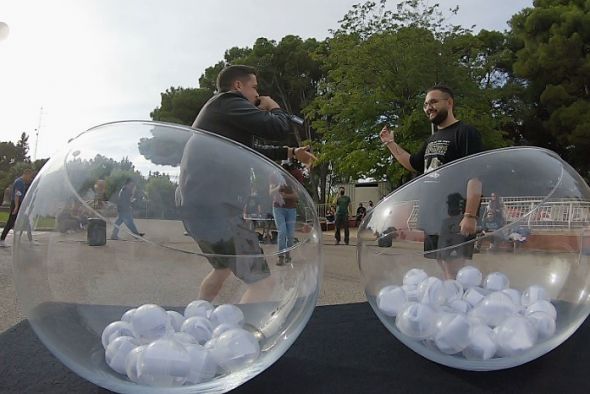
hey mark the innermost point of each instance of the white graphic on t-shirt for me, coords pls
(435, 152)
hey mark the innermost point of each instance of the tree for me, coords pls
(159, 191)
(287, 72)
(8, 156)
(22, 148)
(165, 147)
(552, 43)
(181, 105)
(379, 64)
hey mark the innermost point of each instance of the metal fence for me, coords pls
(556, 214)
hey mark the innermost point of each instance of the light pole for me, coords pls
(37, 134)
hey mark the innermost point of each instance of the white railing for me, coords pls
(554, 214)
(551, 215)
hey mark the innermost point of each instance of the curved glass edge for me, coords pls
(480, 365)
(310, 218)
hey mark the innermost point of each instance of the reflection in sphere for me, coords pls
(501, 297)
(130, 219)
(4, 30)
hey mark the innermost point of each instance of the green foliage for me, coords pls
(159, 191)
(287, 71)
(380, 62)
(181, 105)
(13, 160)
(22, 148)
(8, 155)
(552, 43)
(163, 148)
(528, 85)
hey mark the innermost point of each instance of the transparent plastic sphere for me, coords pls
(129, 221)
(518, 273)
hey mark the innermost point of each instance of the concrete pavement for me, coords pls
(341, 281)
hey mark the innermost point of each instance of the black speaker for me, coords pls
(97, 232)
(387, 237)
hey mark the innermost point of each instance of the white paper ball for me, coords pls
(460, 306)
(176, 319)
(227, 313)
(411, 292)
(416, 320)
(452, 335)
(515, 295)
(183, 338)
(198, 308)
(542, 306)
(474, 295)
(494, 308)
(131, 363)
(469, 276)
(453, 290)
(114, 330)
(198, 327)
(391, 300)
(481, 343)
(544, 323)
(496, 281)
(414, 276)
(514, 336)
(533, 294)
(163, 363)
(117, 351)
(220, 329)
(128, 315)
(202, 365)
(431, 291)
(151, 322)
(235, 349)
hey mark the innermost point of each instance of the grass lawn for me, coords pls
(43, 223)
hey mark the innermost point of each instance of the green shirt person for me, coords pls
(342, 210)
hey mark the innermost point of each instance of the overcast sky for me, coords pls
(87, 62)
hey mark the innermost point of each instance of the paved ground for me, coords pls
(108, 274)
(341, 281)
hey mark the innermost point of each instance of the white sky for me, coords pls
(87, 62)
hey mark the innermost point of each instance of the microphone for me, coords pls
(296, 119)
(293, 118)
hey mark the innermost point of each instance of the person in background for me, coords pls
(239, 113)
(361, 211)
(284, 202)
(342, 212)
(19, 189)
(125, 210)
(452, 140)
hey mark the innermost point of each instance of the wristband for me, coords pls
(469, 215)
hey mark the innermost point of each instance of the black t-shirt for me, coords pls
(451, 143)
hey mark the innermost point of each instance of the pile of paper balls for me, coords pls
(162, 348)
(470, 316)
